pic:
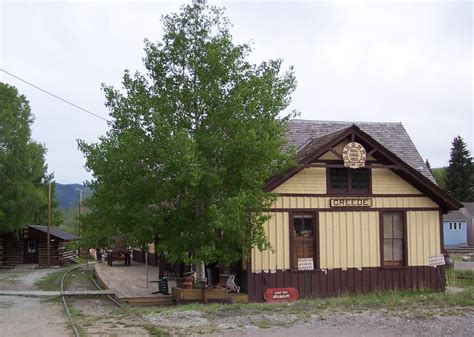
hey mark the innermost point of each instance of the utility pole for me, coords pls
(80, 212)
(48, 243)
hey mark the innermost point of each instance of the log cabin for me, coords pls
(361, 212)
(29, 246)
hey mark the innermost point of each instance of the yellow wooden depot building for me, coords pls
(360, 213)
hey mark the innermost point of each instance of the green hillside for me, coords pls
(67, 195)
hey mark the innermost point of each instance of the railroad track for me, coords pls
(65, 304)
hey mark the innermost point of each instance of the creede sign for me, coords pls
(272, 295)
(350, 202)
(354, 155)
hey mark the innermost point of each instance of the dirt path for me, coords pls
(367, 324)
(26, 316)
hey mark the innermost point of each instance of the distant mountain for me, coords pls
(67, 195)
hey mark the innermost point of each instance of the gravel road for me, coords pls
(28, 316)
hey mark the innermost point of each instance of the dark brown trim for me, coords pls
(277, 181)
(441, 232)
(371, 152)
(325, 148)
(315, 215)
(353, 209)
(329, 195)
(426, 184)
(334, 282)
(349, 191)
(335, 153)
(403, 169)
(382, 238)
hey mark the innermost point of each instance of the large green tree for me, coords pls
(23, 171)
(191, 143)
(460, 172)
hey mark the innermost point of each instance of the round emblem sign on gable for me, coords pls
(354, 155)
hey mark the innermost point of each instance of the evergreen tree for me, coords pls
(460, 172)
(23, 171)
(428, 165)
(191, 144)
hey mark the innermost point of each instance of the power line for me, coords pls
(55, 96)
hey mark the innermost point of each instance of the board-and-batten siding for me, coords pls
(349, 240)
(277, 258)
(290, 202)
(423, 231)
(385, 181)
(338, 149)
(310, 180)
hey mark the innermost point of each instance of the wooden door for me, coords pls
(31, 251)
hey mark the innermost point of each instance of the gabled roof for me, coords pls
(455, 216)
(56, 232)
(392, 136)
(464, 214)
(316, 143)
(390, 140)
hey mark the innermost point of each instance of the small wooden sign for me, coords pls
(436, 260)
(354, 155)
(350, 202)
(305, 264)
(272, 295)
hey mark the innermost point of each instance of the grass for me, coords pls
(156, 331)
(393, 301)
(50, 282)
(460, 278)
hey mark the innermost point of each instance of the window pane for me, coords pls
(298, 224)
(387, 226)
(398, 250)
(338, 179)
(360, 179)
(397, 230)
(387, 251)
(308, 226)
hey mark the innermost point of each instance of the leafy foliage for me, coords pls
(439, 174)
(23, 172)
(191, 144)
(460, 172)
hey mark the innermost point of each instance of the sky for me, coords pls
(408, 62)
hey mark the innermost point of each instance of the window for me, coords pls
(31, 246)
(450, 226)
(345, 180)
(455, 226)
(304, 234)
(393, 231)
(459, 226)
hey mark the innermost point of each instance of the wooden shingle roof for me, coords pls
(393, 136)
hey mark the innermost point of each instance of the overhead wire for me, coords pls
(55, 96)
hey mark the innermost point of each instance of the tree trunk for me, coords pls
(200, 271)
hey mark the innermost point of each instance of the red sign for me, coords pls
(280, 295)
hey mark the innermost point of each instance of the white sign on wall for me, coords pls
(436, 260)
(305, 264)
